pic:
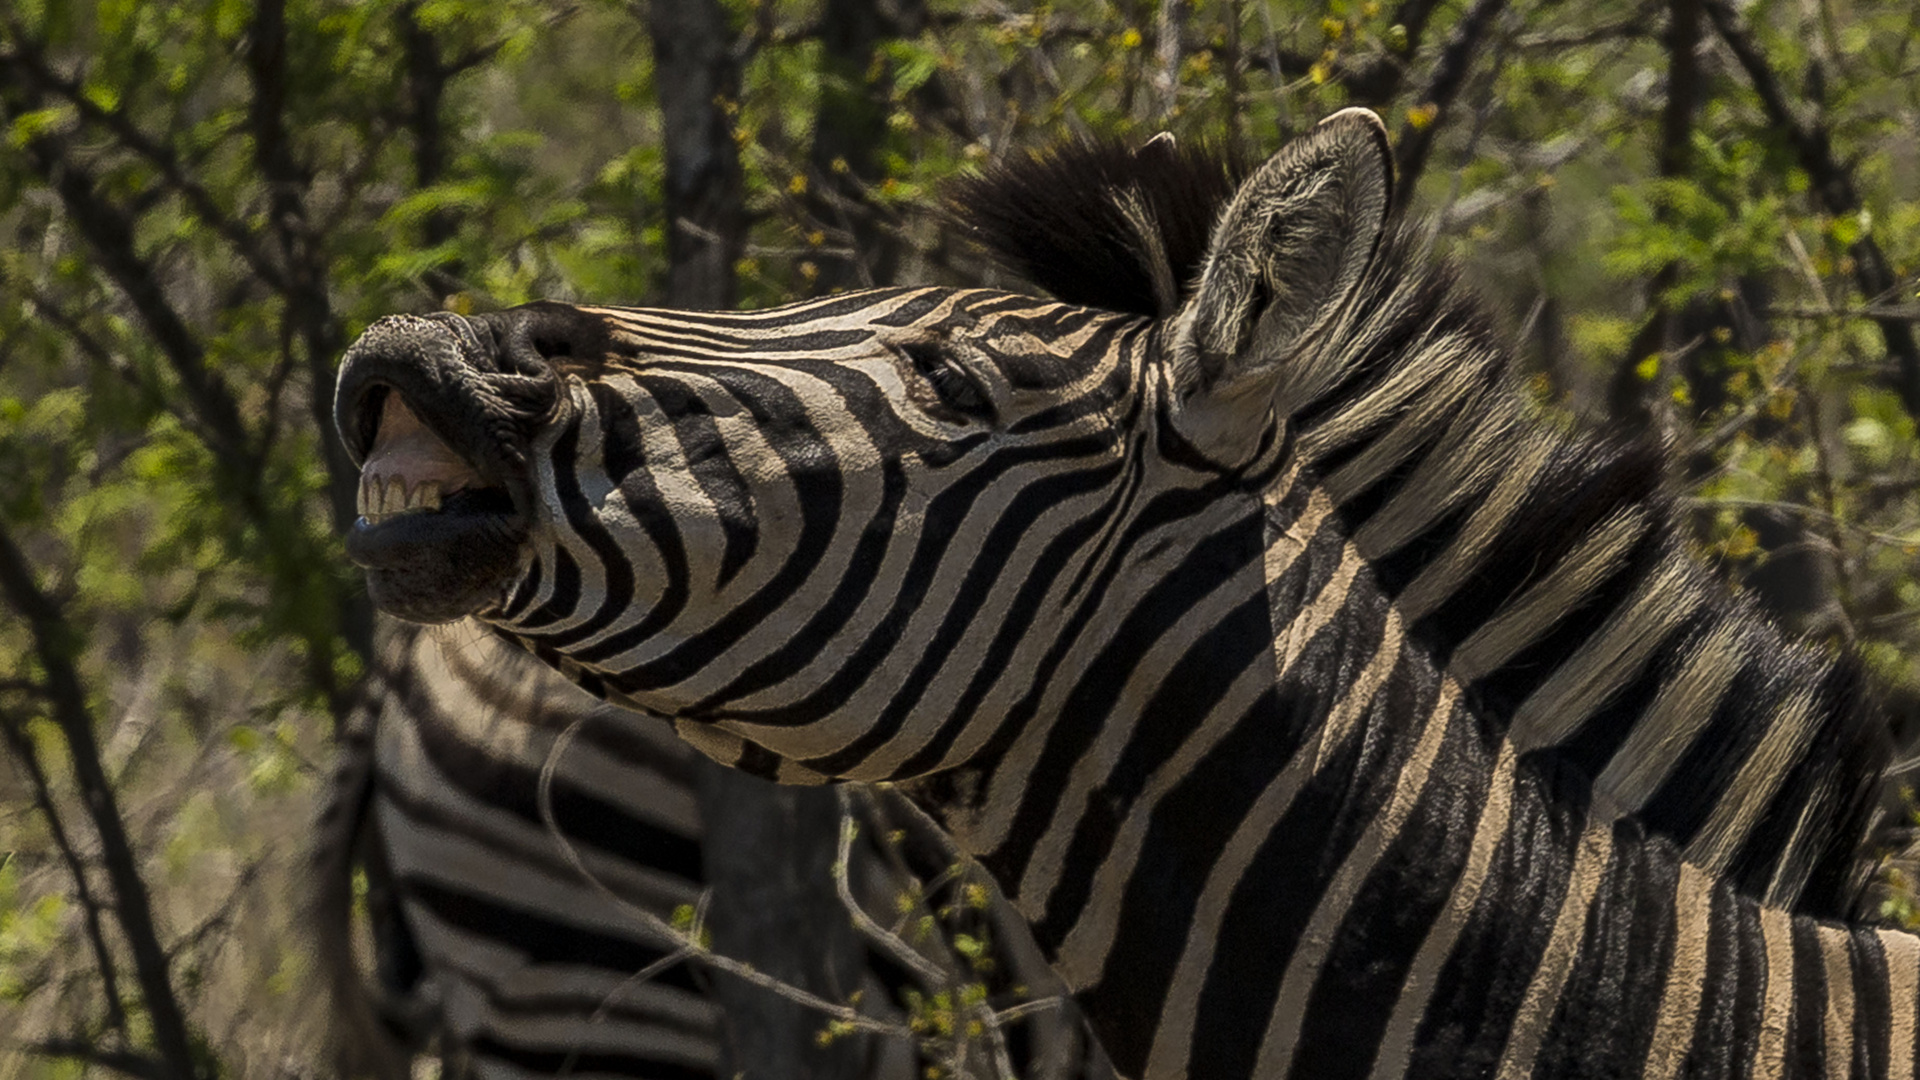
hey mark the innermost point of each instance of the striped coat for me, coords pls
(519, 844)
(1324, 709)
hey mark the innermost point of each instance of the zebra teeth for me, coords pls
(383, 497)
(373, 499)
(393, 496)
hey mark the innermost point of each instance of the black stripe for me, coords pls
(540, 939)
(581, 815)
(574, 1062)
(1872, 1005)
(1610, 1005)
(1091, 702)
(564, 598)
(1806, 1033)
(523, 594)
(1375, 947)
(649, 1011)
(1733, 993)
(583, 520)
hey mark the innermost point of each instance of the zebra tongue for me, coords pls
(406, 448)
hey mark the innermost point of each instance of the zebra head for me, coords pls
(750, 517)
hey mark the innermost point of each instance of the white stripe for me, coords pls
(1522, 622)
(1903, 996)
(1770, 1049)
(1396, 1042)
(1836, 948)
(1753, 787)
(1679, 713)
(1542, 996)
(1316, 941)
(1680, 999)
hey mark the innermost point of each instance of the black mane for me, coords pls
(1070, 219)
(1100, 225)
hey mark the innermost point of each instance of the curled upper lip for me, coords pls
(447, 371)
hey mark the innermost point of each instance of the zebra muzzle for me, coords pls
(421, 404)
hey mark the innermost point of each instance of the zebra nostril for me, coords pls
(535, 339)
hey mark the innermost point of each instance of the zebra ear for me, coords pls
(1285, 258)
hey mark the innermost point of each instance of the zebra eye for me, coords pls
(952, 383)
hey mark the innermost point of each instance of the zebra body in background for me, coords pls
(517, 835)
(1324, 711)
(447, 793)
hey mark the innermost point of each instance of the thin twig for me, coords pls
(904, 953)
(689, 939)
(55, 639)
(29, 758)
(1902, 312)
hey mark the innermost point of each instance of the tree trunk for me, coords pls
(849, 132)
(769, 851)
(697, 75)
(769, 857)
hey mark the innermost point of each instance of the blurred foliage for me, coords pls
(202, 202)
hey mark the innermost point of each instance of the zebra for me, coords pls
(470, 781)
(1324, 709)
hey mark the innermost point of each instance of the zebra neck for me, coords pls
(1347, 873)
(1570, 945)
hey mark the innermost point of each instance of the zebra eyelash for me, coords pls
(957, 388)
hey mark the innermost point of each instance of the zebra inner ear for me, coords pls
(1286, 257)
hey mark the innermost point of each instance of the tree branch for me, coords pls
(212, 411)
(120, 1061)
(1832, 185)
(29, 759)
(1901, 312)
(29, 61)
(55, 642)
(109, 231)
(1374, 80)
(1442, 87)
